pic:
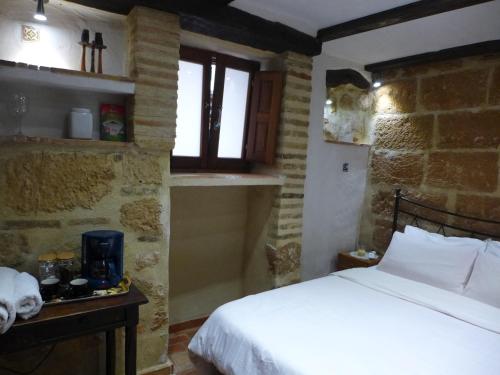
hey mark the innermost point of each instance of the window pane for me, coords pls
(189, 109)
(234, 105)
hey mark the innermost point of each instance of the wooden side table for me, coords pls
(346, 260)
(66, 321)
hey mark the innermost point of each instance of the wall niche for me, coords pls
(348, 108)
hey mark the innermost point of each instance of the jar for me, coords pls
(80, 123)
(66, 265)
(47, 266)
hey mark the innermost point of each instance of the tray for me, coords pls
(95, 295)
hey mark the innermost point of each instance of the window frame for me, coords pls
(209, 140)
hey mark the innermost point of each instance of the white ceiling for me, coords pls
(469, 25)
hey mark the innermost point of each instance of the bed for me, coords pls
(365, 321)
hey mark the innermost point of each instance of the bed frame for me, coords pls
(418, 217)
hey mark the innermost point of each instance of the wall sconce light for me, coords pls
(328, 102)
(40, 11)
(377, 84)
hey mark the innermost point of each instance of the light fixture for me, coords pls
(40, 11)
(328, 102)
(377, 84)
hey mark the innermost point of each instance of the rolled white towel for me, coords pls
(27, 296)
(7, 298)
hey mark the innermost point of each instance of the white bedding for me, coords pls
(354, 322)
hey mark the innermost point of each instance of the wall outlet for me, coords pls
(345, 167)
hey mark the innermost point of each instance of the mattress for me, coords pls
(353, 322)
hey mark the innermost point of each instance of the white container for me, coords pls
(80, 123)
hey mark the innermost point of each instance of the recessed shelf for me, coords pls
(66, 79)
(349, 143)
(225, 179)
(84, 143)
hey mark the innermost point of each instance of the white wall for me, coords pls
(59, 35)
(333, 199)
(58, 47)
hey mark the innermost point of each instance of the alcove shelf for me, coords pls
(225, 179)
(348, 143)
(62, 142)
(65, 79)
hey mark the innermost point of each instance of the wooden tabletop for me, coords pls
(48, 313)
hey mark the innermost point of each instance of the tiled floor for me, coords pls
(180, 335)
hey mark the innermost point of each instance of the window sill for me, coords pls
(225, 179)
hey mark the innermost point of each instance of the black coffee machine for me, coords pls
(102, 258)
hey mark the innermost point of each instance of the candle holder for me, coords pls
(84, 42)
(99, 44)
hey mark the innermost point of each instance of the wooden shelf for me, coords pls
(66, 79)
(84, 143)
(349, 143)
(225, 179)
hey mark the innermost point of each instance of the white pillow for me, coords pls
(493, 247)
(484, 283)
(418, 232)
(439, 263)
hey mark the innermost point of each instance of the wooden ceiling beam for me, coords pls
(488, 47)
(404, 13)
(215, 18)
(238, 26)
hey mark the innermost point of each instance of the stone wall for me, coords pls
(51, 192)
(51, 195)
(436, 135)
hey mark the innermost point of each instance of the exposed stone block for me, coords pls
(404, 132)
(55, 182)
(142, 216)
(464, 89)
(142, 169)
(382, 234)
(160, 319)
(146, 260)
(14, 249)
(397, 97)
(397, 168)
(480, 206)
(383, 204)
(485, 207)
(148, 239)
(463, 171)
(469, 130)
(284, 260)
(431, 68)
(494, 95)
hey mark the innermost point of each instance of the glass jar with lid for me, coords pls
(48, 266)
(66, 264)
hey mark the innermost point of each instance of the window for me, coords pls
(213, 108)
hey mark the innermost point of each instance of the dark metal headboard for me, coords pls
(416, 218)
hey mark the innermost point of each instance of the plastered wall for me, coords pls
(333, 199)
(208, 226)
(59, 36)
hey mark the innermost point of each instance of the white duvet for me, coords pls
(354, 322)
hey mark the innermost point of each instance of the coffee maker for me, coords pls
(102, 258)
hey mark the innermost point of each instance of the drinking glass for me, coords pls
(18, 107)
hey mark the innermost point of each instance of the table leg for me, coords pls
(110, 352)
(130, 350)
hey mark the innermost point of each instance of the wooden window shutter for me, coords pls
(263, 124)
